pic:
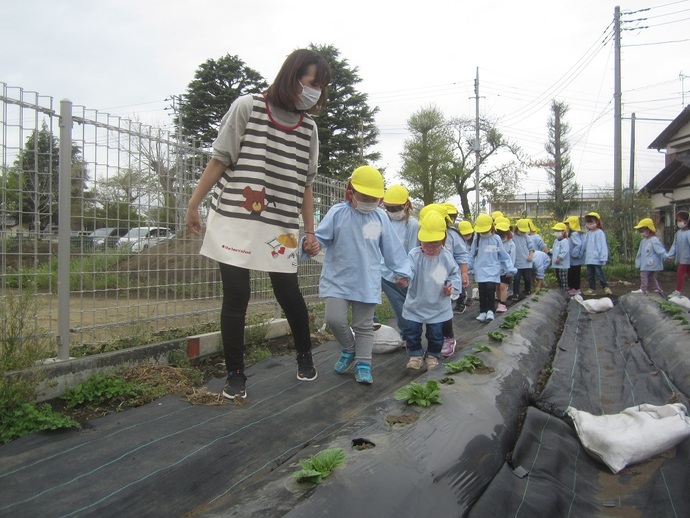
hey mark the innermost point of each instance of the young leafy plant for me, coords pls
(514, 318)
(319, 466)
(481, 348)
(469, 363)
(496, 335)
(418, 394)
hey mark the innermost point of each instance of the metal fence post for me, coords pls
(64, 224)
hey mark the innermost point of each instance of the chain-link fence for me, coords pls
(92, 234)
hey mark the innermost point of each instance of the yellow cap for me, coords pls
(646, 223)
(433, 207)
(559, 226)
(522, 225)
(532, 226)
(450, 208)
(368, 181)
(483, 223)
(496, 214)
(396, 195)
(432, 227)
(594, 215)
(465, 227)
(573, 222)
(503, 219)
(502, 224)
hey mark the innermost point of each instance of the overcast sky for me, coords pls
(126, 57)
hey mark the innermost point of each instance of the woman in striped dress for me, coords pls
(262, 168)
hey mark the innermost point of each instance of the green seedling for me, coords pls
(469, 363)
(418, 394)
(496, 335)
(319, 466)
(514, 318)
(481, 348)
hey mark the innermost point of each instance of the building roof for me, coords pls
(669, 177)
(665, 136)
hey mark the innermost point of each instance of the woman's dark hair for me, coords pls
(285, 90)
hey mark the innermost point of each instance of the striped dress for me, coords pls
(254, 217)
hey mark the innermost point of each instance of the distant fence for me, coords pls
(66, 171)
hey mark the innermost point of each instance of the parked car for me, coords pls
(141, 238)
(107, 237)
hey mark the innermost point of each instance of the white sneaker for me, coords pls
(482, 317)
(489, 316)
(638, 291)
(676, 293)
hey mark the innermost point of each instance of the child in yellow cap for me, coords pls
(650, 256)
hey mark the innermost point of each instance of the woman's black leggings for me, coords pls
(236, 293)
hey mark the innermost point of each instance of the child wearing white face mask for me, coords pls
(560, 254)
(358, 238)
(488, 259)
(596, 251)
(650, 256)
(680, 250)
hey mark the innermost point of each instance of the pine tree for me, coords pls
(564, 190)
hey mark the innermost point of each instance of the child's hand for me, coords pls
(401, 281)
(311, 245)
(465, 280)
(558, 260)
(448, 290)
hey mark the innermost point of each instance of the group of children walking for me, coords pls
(374, 244)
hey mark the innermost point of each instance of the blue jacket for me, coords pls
(680, 249)
(425, 301)
(561, 249)
(510, 248)
(523, 246)
(541, 262)
(456, 245)
(356, 244)
(650, 255)
(488, 258)
(407, 233)
(538, 242)
(596, 248)
(577, 250)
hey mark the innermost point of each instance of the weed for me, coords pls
(319, 466)
(418, 394)
(19, 418)
(103, 387)
(675, 311)
(469, 363)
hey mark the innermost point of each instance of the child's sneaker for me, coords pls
(572, 291)
(675, 293)
(481, 317)
(415, 363)
(460, 308)
(431, 362)
(363, 373)
(501, 308)
(608, 291)
(235, 385)
(448, 346)
(306, 371)
(639, 292)
(590, 291)
(489, 316)
(344, 362)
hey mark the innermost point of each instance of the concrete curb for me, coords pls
(59, 376)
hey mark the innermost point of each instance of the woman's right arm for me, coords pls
(212, 173)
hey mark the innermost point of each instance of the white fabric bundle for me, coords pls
(386, 340)
(636, 434)
(681, 301)
(594, 305)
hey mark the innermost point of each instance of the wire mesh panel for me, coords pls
(135, 273)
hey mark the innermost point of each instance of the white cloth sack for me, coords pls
(636, 434)
(594, 305)
(681, 301)
(386, 340)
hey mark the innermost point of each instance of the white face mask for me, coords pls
(366, 208)
(681, 224)
(558, 235)
(485, 234)
(308, 98)
(397, 216)
(591, 226)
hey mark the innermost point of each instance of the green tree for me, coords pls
(563, 190)
(347, 129)
(428, 156)
(216, 85)
(32, 183)
(501, 163)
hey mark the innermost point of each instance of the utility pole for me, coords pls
(476, 138)
(632, 152)
(617, 158)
